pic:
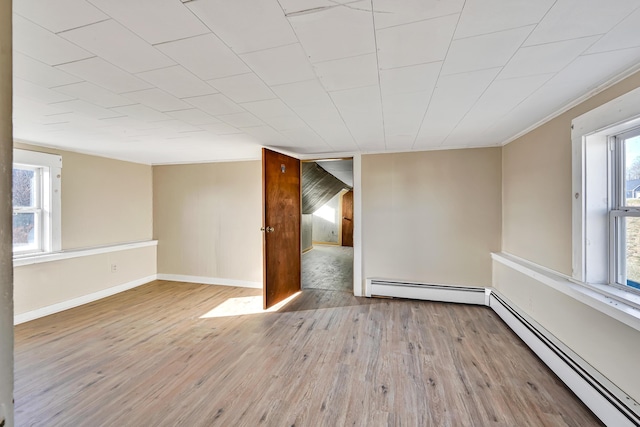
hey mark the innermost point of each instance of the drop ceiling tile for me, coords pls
(38, 73)
(545, 58)
(215, 104)
(451, 100)
(157, 99)
(483, 52)
(304, 138)
(268, 135)
(268, 108)
(241, 120)
(77, 13)
(403, 113)
(571, 19)
(206, 56)
(116, 44)
(245, 25)
(193, 116)
(104, 74)
(93, 94)
(415, 43)
(24, 107)
(221, 129)
(38, 93)
(243, 88)
(43, 45)
(415, 78)
(301, 93)
(480, 17)
(156, 21)
(177, 126)
(304, 6)
(177, 81)
(129, 123)
(142, 112)
(280, 65)
(624, 35)
(87, 109)
(286, 122)
(335, 33)
(348, 73)
(392, 12)
(361, 110)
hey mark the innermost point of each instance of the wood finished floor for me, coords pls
(145, 357)
(328, 267)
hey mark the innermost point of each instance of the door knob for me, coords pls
(267, 229)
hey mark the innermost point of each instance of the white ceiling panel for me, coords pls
(193, 116)
(268, 135)
(245, 25)
(243, 88)
(288, 122)
(177, 81)
(623, 36)
(415, 78)
(304, 6)
(280, 65)
(114, 43)
(25, 108)
(390, 13)
(45, 46)
(482, 52)
(221, 129)
(142, 112)
(404, 45)
(403, 113)
(93, 94)
(268, 108)
(305, 138)
(546, 58)
(361, 110)
(301, 93)
(77, 13)
(215, 105)
(41, 74)
(156, 21)
(206, 56)
(335, 33)
(38, 93)
(104, 74)
(480, 17)
(87, 109)
(571, 19)
(348, 73)
(451, 100)
(241, 120)
(157, 99)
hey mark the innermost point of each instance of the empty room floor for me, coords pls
(328, 267)
(174, 354)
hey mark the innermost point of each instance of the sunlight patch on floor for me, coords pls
(242, 306)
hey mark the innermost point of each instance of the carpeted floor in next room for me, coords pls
(328, 267)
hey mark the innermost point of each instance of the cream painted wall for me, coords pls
(104, 201)
(537, 198)
(207, 220)
(431, 216)
(329, 231)
(41, 285)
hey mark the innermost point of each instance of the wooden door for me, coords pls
(347, 219)
(281, 226)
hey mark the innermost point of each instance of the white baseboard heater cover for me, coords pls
(605, 399)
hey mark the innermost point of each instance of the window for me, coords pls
(36, 202)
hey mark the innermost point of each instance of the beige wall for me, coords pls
(104, 201)
(207, 220)
(40, 285)
(431, 216)
(537, 199)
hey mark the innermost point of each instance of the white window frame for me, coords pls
(49, 168)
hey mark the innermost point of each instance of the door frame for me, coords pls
(359, 285)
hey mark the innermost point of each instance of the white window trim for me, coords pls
(52, 196)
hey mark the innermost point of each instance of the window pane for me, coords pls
(25, 231)
(632, 251)
(24, 187)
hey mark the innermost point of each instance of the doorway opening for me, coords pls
(327, 224)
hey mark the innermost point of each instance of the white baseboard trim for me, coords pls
(210, 280)
(605, 399)
(75, 302)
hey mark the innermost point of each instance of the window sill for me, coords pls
(616, 303)
(23, 260)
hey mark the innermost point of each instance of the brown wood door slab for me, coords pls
(281, 223)
(347, 219)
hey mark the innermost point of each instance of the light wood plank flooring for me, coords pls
(145, 357)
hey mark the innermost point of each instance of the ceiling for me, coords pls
(340, 168)
(170, 81)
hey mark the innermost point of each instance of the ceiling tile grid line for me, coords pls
(375, 40)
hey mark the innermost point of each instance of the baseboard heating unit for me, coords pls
(605, 399)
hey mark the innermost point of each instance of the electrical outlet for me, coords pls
(114, 268)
